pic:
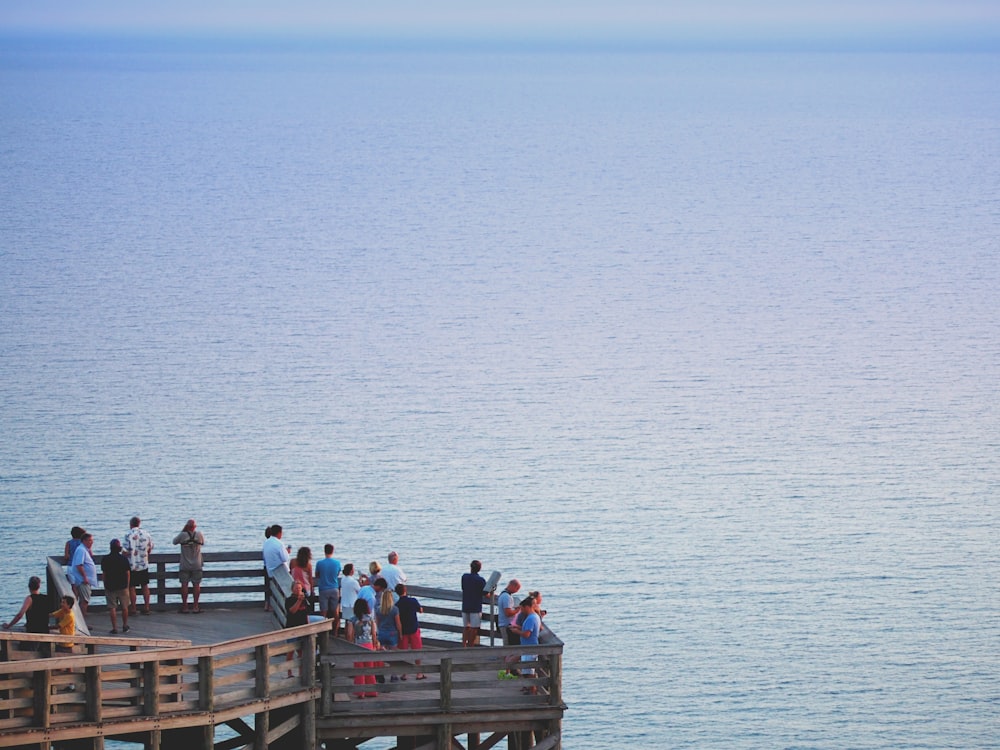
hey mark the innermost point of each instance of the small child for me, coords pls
(66, 621)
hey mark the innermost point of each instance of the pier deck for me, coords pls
(176, 677)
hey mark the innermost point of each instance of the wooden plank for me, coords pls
(244, 676)
(240, 657)
(283, 728)
(98, 640)
(7, 725)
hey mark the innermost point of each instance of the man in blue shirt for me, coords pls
(328, 583)
(528, 629)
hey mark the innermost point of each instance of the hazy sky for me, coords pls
(514, 17)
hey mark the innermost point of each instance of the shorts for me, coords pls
(140, 578)
(528, 658)
(329, 601)
(389, 639)
(64, 648)
(411, 641)
(83, 592)
(189, 575)
(510, 638)
(117, 599)
(472, 619)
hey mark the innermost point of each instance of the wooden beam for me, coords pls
(206, 684)
(42, 686)
(261, 724)
(284, 728)
(94, 697)
(552, 742)
(445, 685)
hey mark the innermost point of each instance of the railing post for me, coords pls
(326, 685)
(555, 679)
(307, 661)
(308, 715)
(262, 689)
(446, 685)
(94, 697)
(151, 688)
(161, 583)
(262, 671)
(444, 737)
(41, 688)
(206, 684)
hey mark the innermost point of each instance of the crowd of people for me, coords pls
(125, 569)
(375, 611)
(372, 609)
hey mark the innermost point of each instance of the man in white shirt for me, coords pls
(392, 573)
(275, 554)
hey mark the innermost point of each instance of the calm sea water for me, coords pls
(704, 346)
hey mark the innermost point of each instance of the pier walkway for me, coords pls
(175, 679)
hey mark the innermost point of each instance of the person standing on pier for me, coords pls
(302, 571)
(139, 546)
(507, 609)
(117, 573)
(192, 564)
(392, 573)
(409, 608)
(37, 620)
(371, 592)
(328, 584)
(361, 631)
(275, 554)
(349, 589)
(473, 591)
(74, 541)
(84, 572)
(528, 628)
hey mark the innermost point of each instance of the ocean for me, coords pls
(704, 345)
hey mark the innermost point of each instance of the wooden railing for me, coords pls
(228, 577)
(57, 698)
(458, 679)
(16, 645)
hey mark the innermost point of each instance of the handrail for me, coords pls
(96, 640)
(248, 583)
(185, 651)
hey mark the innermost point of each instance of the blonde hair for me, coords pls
(386, 603)
(374, 568)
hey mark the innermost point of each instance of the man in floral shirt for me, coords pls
(138, 546)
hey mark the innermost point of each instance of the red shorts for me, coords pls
(411, 641)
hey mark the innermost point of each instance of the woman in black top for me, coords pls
(34, 606)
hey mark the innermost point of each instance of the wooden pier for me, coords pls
(227, 687)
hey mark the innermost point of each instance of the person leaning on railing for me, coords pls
(34, 607)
